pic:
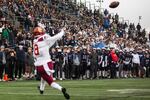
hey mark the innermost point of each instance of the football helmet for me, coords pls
(38, 31)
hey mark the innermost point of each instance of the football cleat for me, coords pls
(41, 92)
(66, 95)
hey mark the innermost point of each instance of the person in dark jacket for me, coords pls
(141, 67)
(20, 53)
(53, 54)
(127, 60)
(93, 67)
(104, 63)
(2, 62)
(99, 62)
(70, 63)
(121, 57)
(11, 64)
(147, 64)
(84, 62)
(66, 63)
(59, 63)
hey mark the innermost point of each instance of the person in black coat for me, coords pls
(127, 60)
(70, 63)
(11, 64)
(84, 62)
(59, 63)
(53, 54)
(20, 53)
(66, 64)
(147, 64)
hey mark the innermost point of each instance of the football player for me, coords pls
(43, 63)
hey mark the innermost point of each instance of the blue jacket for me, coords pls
(20, 55)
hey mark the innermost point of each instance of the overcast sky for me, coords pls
(130, 10)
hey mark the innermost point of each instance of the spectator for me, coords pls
(113, 62)
(1, 30)
(6, 33)
(11, 64)
(2, 62)
(70, 63)
(76, 64)
(138, 27)
(116, 17)
(93, 67)
(58, 64)
(127, 64)
(84, 63)
(29, 70)
(147, 64)
(20, 53)
(136, 64)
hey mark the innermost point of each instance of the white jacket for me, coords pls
(136, 58)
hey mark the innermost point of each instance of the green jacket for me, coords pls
(5, 33)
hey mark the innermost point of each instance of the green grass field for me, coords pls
(117, 89)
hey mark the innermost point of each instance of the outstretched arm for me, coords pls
(57, 36)
(51, 40)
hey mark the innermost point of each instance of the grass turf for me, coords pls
(116, 89)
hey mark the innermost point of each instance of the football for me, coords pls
(114, 4)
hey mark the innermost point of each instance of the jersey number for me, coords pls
(36, 49)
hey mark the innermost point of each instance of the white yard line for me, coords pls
(122, 91)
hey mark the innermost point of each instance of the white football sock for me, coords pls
(56, 86)
(42, 85)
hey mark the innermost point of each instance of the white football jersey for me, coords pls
(41, 47)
